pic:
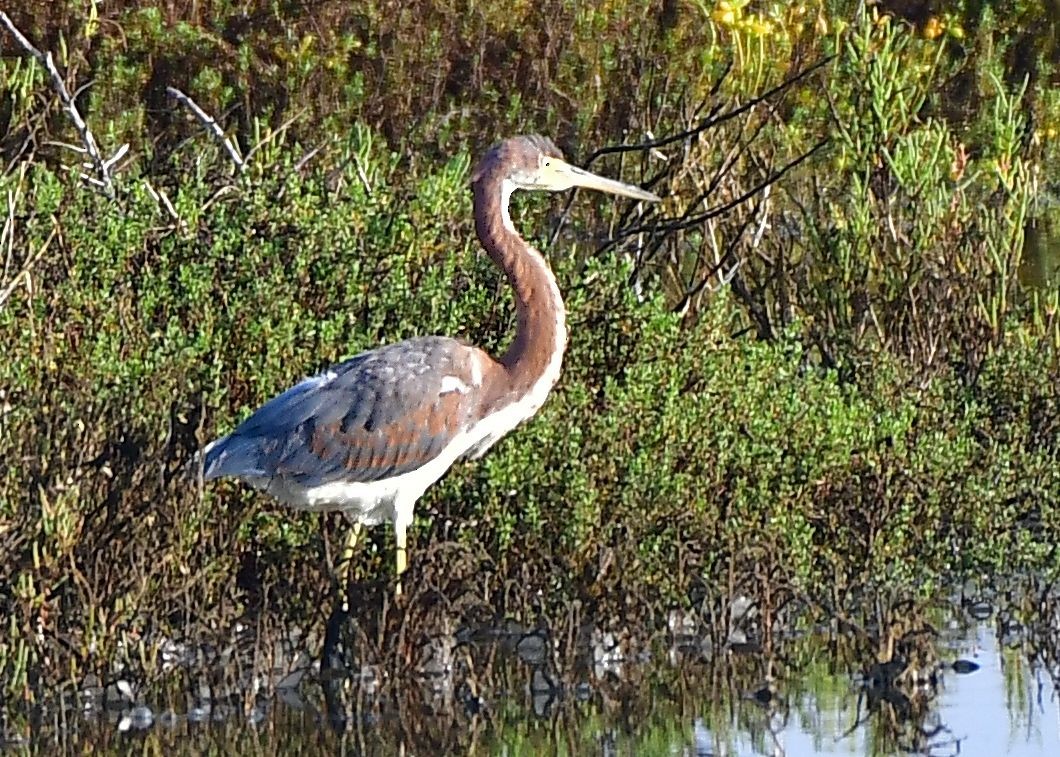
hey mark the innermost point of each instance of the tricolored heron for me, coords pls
(369, 435)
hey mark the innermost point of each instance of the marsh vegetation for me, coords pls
(821, 381)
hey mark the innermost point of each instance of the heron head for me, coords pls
(534, 162)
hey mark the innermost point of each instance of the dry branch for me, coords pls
(102, 166)
(27, 269)
(687, 221)
(712, 119)
(210, 124)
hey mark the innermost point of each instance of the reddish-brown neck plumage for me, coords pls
(541, 334)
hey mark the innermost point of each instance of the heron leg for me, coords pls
(347, 552)
(402, 554)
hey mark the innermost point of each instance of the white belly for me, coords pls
(392, 499)
(368, 503)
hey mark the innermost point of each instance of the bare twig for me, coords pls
(160, 197)
(102, 167)
(306, 158)
(7, 236)
(298, 167)
(362, 176)
(221, 192)
(211, 126)
(713, 118)
(26, 269)
(688, 221)
(275, 133)
(763, 222)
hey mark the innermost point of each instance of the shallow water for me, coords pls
(1040, 266)
(674, 704)
(1005, 707)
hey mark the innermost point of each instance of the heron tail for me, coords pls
(235, 456)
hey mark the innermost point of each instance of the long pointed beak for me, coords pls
(578, 177)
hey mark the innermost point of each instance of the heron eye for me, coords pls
(547, 164)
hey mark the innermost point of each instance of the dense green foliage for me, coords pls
(834, 386)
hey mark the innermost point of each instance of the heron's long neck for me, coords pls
(541, 334)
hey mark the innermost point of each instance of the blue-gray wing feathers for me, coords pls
(380, 414)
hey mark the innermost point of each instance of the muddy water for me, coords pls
(982, 697)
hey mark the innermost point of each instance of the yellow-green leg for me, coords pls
(347, 553)
(331, 656)
(402, 555)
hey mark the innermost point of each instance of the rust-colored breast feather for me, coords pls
(381, 414)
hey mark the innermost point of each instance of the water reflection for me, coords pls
(982, 697)
(1008, 707)
(1040, 267)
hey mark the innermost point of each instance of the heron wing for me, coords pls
(380, 414)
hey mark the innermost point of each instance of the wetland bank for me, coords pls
(805, 399)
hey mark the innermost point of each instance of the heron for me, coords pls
(368, 436)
